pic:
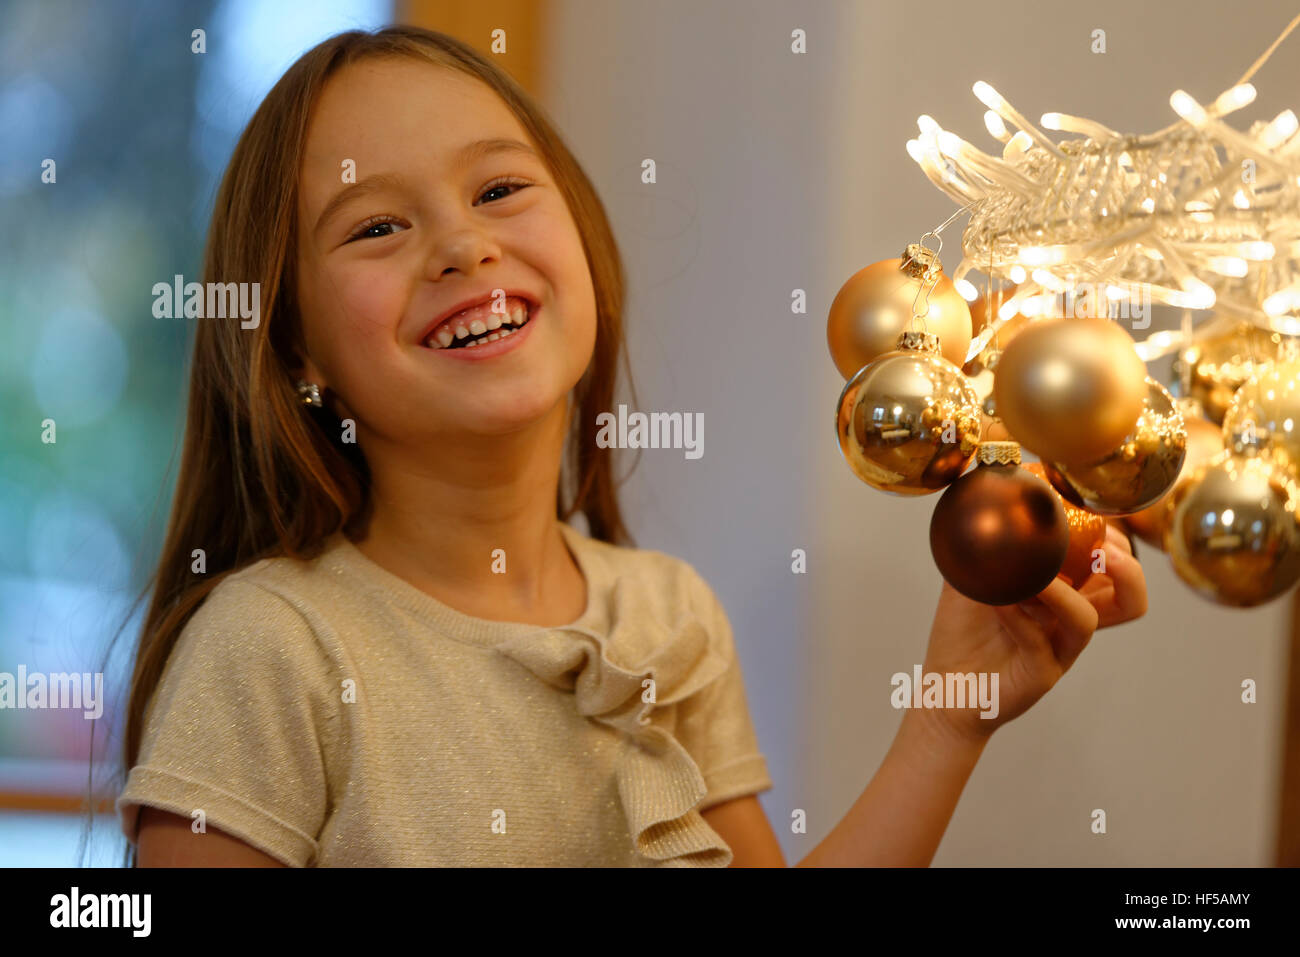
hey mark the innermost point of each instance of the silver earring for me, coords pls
(310, 393)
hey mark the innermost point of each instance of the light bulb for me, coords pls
(966, 290)
(1017, 274)
(1228, 265)
(987, 95)
(1234, 99)
(997, 129)
(1187, 108)
(1281, 129)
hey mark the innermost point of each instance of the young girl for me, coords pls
(374, 639)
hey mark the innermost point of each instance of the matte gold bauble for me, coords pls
(1204, 442)
(1087, 534)
(1138, 471)
(1234, 535)
(1268, 404)
(1220, 365)
(1070, 389)
(875, 306)
(908, 423)
(999, 534)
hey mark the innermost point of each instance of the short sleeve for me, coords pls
(238, 724)
(714, 724)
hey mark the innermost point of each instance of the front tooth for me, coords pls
(461, 332)
(517, 311)
(494, 321)
(445, 337)
(477, 327)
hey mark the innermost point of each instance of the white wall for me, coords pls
(779, 171)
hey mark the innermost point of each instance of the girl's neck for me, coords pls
(475, 526)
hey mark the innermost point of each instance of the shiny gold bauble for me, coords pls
(1221, 365)
(1138, 471)
(1233, 535)
(875, 305)
(1071, 389)
(1204, 442)
(999, 534)
(1087, 534)
(1268, 404)
(909, 422)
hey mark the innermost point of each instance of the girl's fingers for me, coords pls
(1076, 620)
(1022, 624)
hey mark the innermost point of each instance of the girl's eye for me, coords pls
(504, 183)
(371, 228)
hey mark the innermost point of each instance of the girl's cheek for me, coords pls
(371, 302)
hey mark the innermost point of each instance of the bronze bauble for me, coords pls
(1070, 389)
(1204, 442)
(999, 534)
(1087, 534)
(909, 422)
(1234, 535)
(1268, 404)
(875, 306)
(1135, 473)
(1221, 364)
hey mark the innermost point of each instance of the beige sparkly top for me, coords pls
(329, 713)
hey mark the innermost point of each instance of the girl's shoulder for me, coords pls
(665, 580)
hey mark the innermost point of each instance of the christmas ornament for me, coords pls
(1135, 473)
(1070, 390)
(1087, 534)
(876, 305)
(1218, 366)
(999, 534)
(1233, 535)
(908, 422)
(1268, 405)
(1204, 442)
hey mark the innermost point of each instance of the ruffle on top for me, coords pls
(659, 784)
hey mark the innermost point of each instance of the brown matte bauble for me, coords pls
(1222, 364)
(1204, 442)
(908, 422)
(1234, 535)
(999, 534)
(1135, 473)
(1087, 534)
(875, 306)
(1070, 389)
(1268, 403)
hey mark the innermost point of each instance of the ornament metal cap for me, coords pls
(920, 262)
(914, 341)
(999, 453)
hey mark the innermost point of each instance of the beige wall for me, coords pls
(779, 171)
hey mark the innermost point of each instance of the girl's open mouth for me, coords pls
(481, 333)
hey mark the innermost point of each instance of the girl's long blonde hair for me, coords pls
(259, 477)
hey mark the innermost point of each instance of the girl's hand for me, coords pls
(1030, 645)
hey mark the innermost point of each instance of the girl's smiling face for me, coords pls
(433, 220)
